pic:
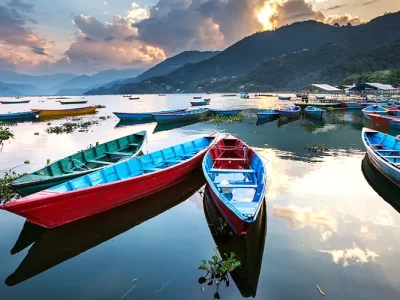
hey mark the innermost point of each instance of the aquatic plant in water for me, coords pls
(316, 148)
(7, 194)
(228, 119)
(5, 134)
(218, 270)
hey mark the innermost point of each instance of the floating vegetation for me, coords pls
(48, 124)
(283, 119)
(27, 162)
(316, 148)
(36, 133)
(72, 125)
(48, 161)
(100, 106)
(5, 133)
(329, 108)
(7, 194)
(223, 228)
(103, 118)
(218, 270)
(228, 119)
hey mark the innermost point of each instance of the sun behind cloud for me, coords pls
(265, 14)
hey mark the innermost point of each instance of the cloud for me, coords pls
(334, 7)
(138, 13)
(21, 6)
(353, 255)
(369, 2)
(343, 19)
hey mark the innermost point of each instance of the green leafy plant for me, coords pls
(227, 119)
(7, 194)
(48, 161)
(217, 270)
(36, 133)
(316, 148)
(27, 162)
(5, 135)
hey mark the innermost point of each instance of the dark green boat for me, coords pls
(79, 164)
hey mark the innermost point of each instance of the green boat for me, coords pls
(79, 164)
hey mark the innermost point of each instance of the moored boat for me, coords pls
(14, 102)
(385, 121)
(394, 111)
(383, 152)
(285, 98)
(288, 112)
(199, 103)
(74, 102)
(223, 112)
(145, 116)
(237, 179)
(268, 114)
(352, 105)
(208, 100)
(181, 116)
(197, 98)
(65, 112)
(134, 98)
(244, 95)
(315, 112)
(115, 185)
(80, 163)
(25, 115)
(374, 109)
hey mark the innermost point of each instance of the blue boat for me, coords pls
(288, 112)
(181, 116)
(145, 116)
(374, 109)
(285, 98)
(25, 115)
(237, 181)
(384, 153)
(268, 114)
(315, 112)
(244, 95)
(199, 103)
(225, 112)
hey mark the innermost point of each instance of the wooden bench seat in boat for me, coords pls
(99, 162)
(150, 169)
(387, 150)
(394, 157)
(229, 159)
(232, 171)
(246, 208)
(237, 186)
(119, 153)
(134, 145)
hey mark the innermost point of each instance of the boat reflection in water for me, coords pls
(54, 246)
(265, 121)
(385, 188)
(170, 126)
(125, 123)
(286, 120)
(249, 249)
(314, 122)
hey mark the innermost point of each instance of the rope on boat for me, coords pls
(79, 167)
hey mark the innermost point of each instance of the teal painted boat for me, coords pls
(79, 164)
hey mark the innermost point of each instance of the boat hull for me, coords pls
(73, 102)
(15, 102)
(143, 116)
(18, 116)
(289, 113)
(200, 103)
(285, 98)
(170, 118)
(272, 116)
(65, 112)
(225, 112)
(315, 114)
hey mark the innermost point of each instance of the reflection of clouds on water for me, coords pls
(353, 255)
(197, 199)
(305, 217)
(326, 128)
(383, 218)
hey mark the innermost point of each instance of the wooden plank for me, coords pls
(230, 159)
(99, 162)
(119, 153)
(232, 171)
(237, 186)
(377, 150)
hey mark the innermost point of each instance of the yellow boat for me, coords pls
(65, 112)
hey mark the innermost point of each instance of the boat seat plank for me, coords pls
(394, 157)
(232, 171)
(237, 186)
(119, 153)
(150, 169)
(134, 144)
(230, 159)
(100, 162)
(377, 150)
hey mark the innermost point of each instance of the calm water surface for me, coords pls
(330, 220)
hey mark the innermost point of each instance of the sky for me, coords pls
(87, 36)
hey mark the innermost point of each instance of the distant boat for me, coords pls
(113, 186)
(374, 109)
(285, 98)
(229, 95)
(394, 111)
(127, 96)
(181, 116)
(268, 114)
(65, 112)
(144, 116)
(315, 112)
(292, 111)
(352, 105)
(161, 95)
(199, 103)
(383, 152)
(223, 112)
(80, 163)
(14, 102)
(237, 178)
(208, 93)
(74, 102)
(244, 95)
(197, 98)
(299, 95)
(207, 100)
(25, 115)
(385, 121)
(134, 98)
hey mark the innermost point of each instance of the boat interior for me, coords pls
(237, 173)
(386, 146)
(137, 166)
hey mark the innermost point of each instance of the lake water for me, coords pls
(325, 221)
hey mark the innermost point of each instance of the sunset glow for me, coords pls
(265, 14)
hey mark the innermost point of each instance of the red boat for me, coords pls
(112, 186)
(391, 122)
(236, 179)
(394, 111)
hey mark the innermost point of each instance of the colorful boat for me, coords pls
(112, 186)
(244, 95)
(79, 164)
(25, 115)
(385, 121)
(181, 116)
(285, 98)
(384, 153)
(53, 247)
(197, 98)
(374, 109)
(249, 250)
(14, 102)
(223, 112)
(207, 100)
(145, 116)
(74, 102)
(65, 112)
(134, 98)
(199, 103)
(288, 112)
(268, 114)
(237, 179)
(394, 111)
(352, 105)
(315, 112)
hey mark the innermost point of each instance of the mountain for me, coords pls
(7, 89)
(163, 68)
(42, 82)
(315, 44)
(391, 77)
